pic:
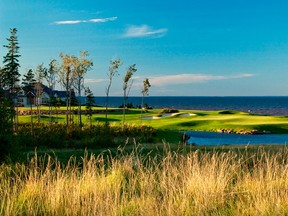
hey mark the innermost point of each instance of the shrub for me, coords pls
(167, 110)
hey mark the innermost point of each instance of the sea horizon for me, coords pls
(265, 105)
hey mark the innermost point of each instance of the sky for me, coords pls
(184, 47)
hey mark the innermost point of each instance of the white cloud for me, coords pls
(144, 31)
(68, 22)
(191, 78)
(102, 20)
(95, 80)
(73, 22)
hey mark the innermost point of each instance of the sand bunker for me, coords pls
(168, 115)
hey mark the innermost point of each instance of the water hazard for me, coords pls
(213, 138)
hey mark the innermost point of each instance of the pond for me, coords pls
(213, 138)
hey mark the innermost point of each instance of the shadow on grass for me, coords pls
(54, 118)
(103, 119)
(229, 112)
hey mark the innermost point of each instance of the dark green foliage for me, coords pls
(10, 75)
(229, 112)
(128, 105)
(167, 110)
(29, 79)
(99, 135)
(7, 113)
(89, 104)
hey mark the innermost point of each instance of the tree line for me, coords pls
(69, 72)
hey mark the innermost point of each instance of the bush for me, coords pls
(99, 135)
(167, 110)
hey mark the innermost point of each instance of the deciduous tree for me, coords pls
(81, 66)
(40, 71)
(113, 71)
(144, 91)
(50, 77)
(66, 78)
(127, 83)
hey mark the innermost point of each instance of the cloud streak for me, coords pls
(95, 80)
(73, 22)
(191, 78)
(144, 31)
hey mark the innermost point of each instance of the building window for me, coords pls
(20, 100)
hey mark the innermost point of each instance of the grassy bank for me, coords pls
(230, 182)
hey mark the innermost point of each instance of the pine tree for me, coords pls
(11, 73)
(29, 79)
(89, 104)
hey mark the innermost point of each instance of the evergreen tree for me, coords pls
(29, 79)
(1, 78)
(10, 72)
(11, 75)
(89, 104)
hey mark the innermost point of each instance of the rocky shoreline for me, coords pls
(251, 132)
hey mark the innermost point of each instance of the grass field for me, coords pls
(198, 182)
(153, 178)
(199, 121)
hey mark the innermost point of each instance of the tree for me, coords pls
(11, 62)
(81, 66)
(10, 74)
(29, 80)
(66, 78)
(89, 104)
(127, 86)
(40, 71)
(113, 71)
(49, 76)
(144, 91)
(1, 78)
(7, 113)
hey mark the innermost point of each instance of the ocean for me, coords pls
(273, 105)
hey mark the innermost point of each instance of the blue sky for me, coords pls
(185, 47)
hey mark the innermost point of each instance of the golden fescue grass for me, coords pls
(171, 183)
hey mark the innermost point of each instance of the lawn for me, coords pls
(198, 121)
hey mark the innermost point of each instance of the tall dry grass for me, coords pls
(196, 183)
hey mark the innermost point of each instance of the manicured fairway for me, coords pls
(186, 120)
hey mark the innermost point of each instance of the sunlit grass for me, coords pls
(203, 120)
(169, 183)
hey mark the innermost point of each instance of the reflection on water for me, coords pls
(212, 138)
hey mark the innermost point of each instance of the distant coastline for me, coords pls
(264, 105)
